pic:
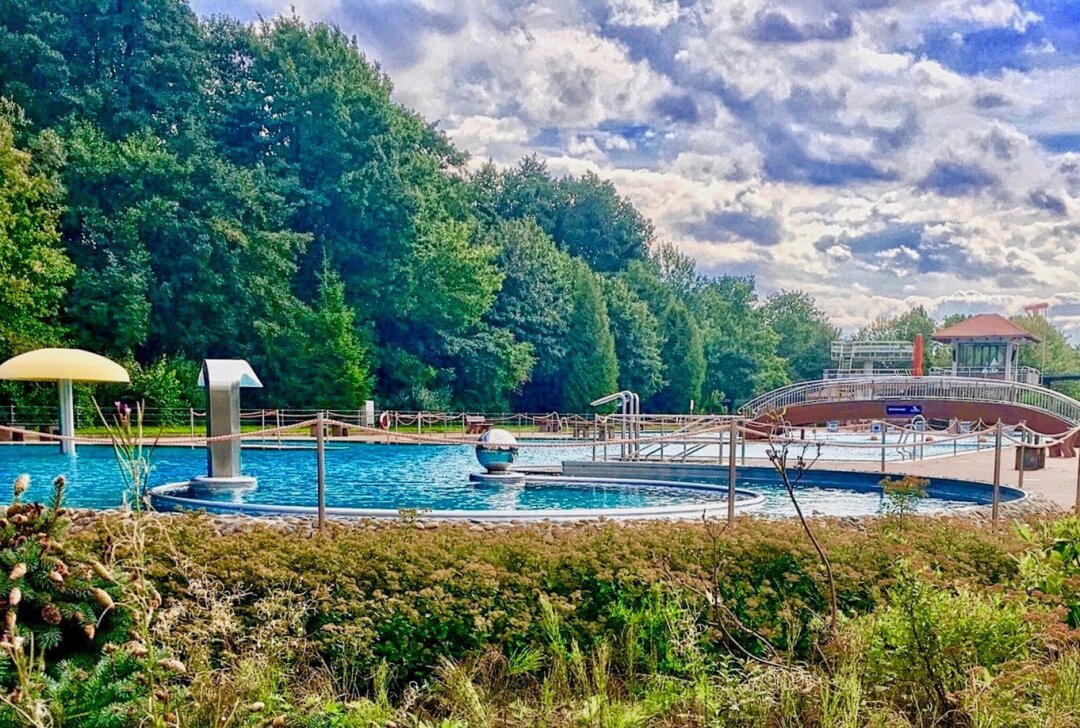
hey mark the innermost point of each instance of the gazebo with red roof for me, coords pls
(987, 345)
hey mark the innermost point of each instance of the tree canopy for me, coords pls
(176, 187)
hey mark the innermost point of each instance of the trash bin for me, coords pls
(1034, 458)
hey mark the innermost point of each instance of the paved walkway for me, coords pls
(1056, 482)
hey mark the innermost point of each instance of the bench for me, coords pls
(588, 430)
(476, 425)
(550, 424)
(329, 430)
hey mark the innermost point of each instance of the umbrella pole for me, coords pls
(67, 416)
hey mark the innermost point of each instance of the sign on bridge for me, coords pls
(903, 410)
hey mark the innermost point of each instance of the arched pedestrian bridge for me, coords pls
(935, 397)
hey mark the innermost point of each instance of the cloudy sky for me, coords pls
(876, 153)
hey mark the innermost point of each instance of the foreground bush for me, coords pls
(943, 623)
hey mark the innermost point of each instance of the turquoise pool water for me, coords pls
(410, 477)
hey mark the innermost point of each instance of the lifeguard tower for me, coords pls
(987, 346)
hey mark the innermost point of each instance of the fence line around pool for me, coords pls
(733, 425)
(751, 433)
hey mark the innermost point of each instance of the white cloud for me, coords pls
(822, 143)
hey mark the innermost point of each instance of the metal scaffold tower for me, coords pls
(862, 358)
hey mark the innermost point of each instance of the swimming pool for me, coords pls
(435, 478)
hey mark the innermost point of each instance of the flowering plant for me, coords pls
(133, 457)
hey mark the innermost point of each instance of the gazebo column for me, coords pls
(67, 416)
(1009, 371)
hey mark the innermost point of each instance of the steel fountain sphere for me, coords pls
(496, 451)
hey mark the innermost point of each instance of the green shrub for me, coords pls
(925, 640)
(56, 602)
(1052, 564)
(410, 596)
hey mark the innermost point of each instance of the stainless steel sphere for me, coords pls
(496, 451)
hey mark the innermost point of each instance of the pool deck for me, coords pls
(1057, 482)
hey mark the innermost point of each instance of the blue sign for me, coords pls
(833, 425)
(875, 427)
(903, 410)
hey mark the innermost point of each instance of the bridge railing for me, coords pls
(961, 389)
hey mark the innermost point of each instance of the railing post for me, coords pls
(997, 474)
(320, 468)
(884, 433)
(191, 416)
(734, 431)
(1076, 505)
(1023, 452)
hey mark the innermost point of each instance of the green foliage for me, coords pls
(1054, 354)
(805, 333)
(684, 356)
(322, 360)
(926, 640)
(33, 266)
(168, 384)
(1052, 564)
(387, 598)
(534, 305)
(394, 624)
(181, 200)
(61, 604)
(597, 225)
(591, 368)
(902, 495)
(740, 349)
(637, 339)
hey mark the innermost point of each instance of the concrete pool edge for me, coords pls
(164, 495)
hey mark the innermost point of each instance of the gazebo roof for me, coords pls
(984, 326)
(50, 365)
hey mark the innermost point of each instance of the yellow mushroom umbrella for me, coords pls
(63, 366)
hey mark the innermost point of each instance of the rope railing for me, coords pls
(695, 436)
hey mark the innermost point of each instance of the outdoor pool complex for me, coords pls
(434, 478)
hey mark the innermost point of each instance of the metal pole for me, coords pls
(1023, 452)
(1076, 505)
(997, 474)
(734, 430)
(320, 469)
(67, 416)
(884, 432)
(191, 416)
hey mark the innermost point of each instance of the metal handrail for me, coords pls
(962, 389)
(855, 349)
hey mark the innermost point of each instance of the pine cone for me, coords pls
(50, 614)
(17, 572)
(102, 597)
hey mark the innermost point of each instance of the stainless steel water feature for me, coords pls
(223, 379)
(629, 420)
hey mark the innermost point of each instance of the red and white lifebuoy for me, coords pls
(384, 420)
